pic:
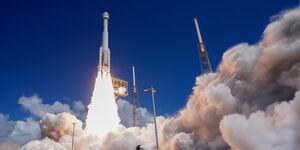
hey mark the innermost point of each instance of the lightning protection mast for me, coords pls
(135, 100)
(205, 65)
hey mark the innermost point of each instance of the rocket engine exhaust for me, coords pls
(102, 115)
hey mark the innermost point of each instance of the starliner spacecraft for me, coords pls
(104, 55)
(120, 86)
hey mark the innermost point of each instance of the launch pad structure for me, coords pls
(120, 87)
(204, 61)
(121, 90)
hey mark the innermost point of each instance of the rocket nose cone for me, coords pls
(105, 15)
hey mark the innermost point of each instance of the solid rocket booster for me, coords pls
(104, 55)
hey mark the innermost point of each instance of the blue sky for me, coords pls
(50, 48)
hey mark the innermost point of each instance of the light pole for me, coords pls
(154, 113)
(73, 136)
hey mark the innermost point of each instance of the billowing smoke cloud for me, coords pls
(9, 146)
(6, 127)
(277, 128)
(251, 102)
(56, 126)
(125, 111)
(14, 133)
(25, 131)
(55, 123)
(36, 107)
(249, 80)
(57, 130)
(275, 78)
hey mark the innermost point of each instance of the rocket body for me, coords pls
(104, 55)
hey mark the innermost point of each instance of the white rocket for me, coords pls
(104, 55)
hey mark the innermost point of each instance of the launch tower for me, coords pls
(135, 100)
(205, 65)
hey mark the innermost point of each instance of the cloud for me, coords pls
(19, 132)
(25, 131)
(6, 127)
(35, 106)
(57, 130)
(15, 133)
(277, 128)
(55, 126)
(125, 111)
(250, 78)
(79, 110)
(45, 144)
(9, 146)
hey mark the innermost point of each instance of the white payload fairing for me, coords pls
(104, 55)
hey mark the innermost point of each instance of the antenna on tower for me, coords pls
(135, 100)
(203, 54)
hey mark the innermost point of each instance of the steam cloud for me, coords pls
(251, 102)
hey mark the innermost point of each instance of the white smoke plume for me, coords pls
(9, 146)
(6, 127)
(55, 123)
(125, 111)
(57, 130)
(277, 128)
(250, 78)
(251, 102)
(25, 131)
(14, 133)
(34, 104)
(56, 126)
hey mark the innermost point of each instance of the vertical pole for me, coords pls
(134, 100)
(73, 136)
(154, 115)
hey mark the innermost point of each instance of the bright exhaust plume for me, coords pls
(102, 114)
